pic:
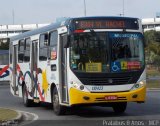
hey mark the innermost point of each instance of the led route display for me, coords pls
(107, 24)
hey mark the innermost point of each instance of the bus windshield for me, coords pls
(106, 52)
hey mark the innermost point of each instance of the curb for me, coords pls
(19, 116)
(14, 121)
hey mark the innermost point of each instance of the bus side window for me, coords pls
(21, 51)
(10, 52)
(43, 47)
(53, 45)
(27, 50)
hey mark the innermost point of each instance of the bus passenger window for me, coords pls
(53, 38)
(21, 51)
(4, 58)
(27, 50)
(43, 50)
(10, 52)
(53, 45)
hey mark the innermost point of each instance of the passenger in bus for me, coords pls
(127, 52)
(121, 52)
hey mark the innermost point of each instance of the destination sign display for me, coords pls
(107, 24)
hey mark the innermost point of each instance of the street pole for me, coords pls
(13, 15)
(85, 8)
(123, 8)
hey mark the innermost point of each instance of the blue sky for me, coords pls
(45, 11)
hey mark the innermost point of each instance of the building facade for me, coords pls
(151, 24)
(7, 31)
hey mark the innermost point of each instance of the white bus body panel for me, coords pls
(5, 76)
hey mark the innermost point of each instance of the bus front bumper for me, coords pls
(80, 97)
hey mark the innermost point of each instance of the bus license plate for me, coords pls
(111, 97)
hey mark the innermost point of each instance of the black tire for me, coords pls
(120, 107)
(27, 102)
(58, 109)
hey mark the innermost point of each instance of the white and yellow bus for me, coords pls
(80, 61)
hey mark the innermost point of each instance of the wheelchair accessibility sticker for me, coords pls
(116, 66)
(124, 65)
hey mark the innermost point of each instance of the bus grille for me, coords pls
(106, 81)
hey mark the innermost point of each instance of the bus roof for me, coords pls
(103, 17)
(56, 25)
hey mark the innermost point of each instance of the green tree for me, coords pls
(149, 36)
(152, 42)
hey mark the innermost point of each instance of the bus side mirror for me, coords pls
(66, 41)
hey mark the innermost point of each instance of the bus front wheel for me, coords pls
(58, 109)
(119, 107)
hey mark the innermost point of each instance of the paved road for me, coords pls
(149, 110)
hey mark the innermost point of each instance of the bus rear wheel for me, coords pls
(27, 102)
(119, 107)
(58, 109)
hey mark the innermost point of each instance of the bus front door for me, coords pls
(33, 67)
(15, 65)
(63, 70)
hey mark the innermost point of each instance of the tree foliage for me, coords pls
(152, 41)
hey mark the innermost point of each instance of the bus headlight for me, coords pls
(139, 85)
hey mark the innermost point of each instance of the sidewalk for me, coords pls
(9, 116)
